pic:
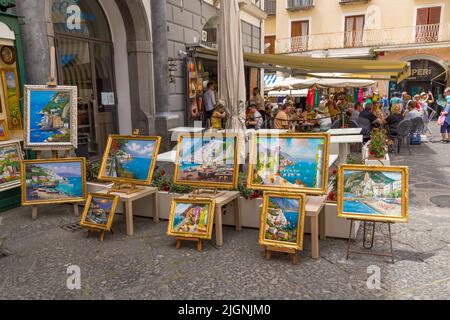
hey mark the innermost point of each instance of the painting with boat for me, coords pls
(373, 193)
(53, 181)
(99, 211)
(51, 117)
(130, 159)
(10, 158)
(209, 160)
(295, 162)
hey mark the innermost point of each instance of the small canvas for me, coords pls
(4, 132)
(99, 211)
(10, 159)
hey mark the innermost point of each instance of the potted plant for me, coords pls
(93, 185)
(250, 202)
(376, 152)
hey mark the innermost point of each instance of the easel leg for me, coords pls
(102, 236)
(34, 212)
(390, 241)
(219, 235)
(129, 217)
(88, 234)
(75, 210)
(295, 258)
(349, 239)
(237, 212)
(268, 254)
(315, 237)
(178, 244)
(200, 245)
(369, 230)
(156, 208)
(322, 224)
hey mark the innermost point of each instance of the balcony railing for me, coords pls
(432, 33)
(270, 6)
(353, 1)
(293, 5)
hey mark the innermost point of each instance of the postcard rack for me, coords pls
(291, 251)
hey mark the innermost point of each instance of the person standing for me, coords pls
(445, 128)
(258, 100)
(210, 103)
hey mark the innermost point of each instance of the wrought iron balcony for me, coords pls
(400, 36)
(294, 5)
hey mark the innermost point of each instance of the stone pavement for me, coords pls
(147, 266)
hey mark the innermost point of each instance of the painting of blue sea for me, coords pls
(289, 162)
(374, 193)
(207, 159)
(282, 219)
(99, 211)
(49, 116)
(54, 181)
(130, 159)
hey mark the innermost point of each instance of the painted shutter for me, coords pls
(422, 16)
(434, 15)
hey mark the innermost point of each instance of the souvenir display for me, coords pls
(4, 131)
(8, 55)
(10, 159)
(12, 98)
(99, 211)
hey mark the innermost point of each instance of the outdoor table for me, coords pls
(128, 199)
(225, 198)
(343, 141)
(315, 210)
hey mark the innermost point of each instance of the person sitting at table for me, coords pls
(282, 118)
(254, 117)
(218, 117)
(355, 112)
(309, 115)
(411, 111)
(366, 120)
(394, 119)
(323, 118)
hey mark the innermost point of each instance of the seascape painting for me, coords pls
(53, 181)
(10, 158)
(290, 163)
(191, 218)
(130, 159)
(373, 194)
(282, 221)
(208, 161)
(12, 97)
(99, 211)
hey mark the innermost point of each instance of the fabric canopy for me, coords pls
(298, 84)
(293, 93)
(302, 65)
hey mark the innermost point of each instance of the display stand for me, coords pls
(199, 241)
(368, 240)
(292, 252)
(102, 233)
(205, 193)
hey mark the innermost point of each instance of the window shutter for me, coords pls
(435, 15)
(422, 16)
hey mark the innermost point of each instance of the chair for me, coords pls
(336, 124)
(418, 125)
(353, 124)
(403, 132)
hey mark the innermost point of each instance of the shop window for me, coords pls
(428, 24)
(354, 31)
(299, 35)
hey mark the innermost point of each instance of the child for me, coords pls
(218, 117)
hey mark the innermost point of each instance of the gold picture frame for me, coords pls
(14, 170)
(265, 227)
(374, 193)
(207, 235)
(199, 183)
(71, 122)
(18, 124)
(4, 131)
(122, 180)
(47, 185)
(288, 186)
(112, 211)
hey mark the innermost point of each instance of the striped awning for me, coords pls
(270, 79)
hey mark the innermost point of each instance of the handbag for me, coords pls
(441, 119)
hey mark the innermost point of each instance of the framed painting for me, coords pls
(50, 117)
(191, 218)
(283, 220)
(12, 98)
(10, 170)
(99, 211)
(4, 131)
(208, 160)
(373, 193)
(289, 162)
(53, 181)
(130, 159)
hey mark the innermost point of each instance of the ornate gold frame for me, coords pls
(73, 91)
(310, 191)
(212, 205)
(149, 179)
(91, 196)
(4, 125)
(18, 183)
(365, 217)
(218, 185)
(301, 223)
(5, 94)
(26, 202)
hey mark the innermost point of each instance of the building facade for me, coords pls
(416, 31)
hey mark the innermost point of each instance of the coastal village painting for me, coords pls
(53, 181)
(10, 158)
(4, 133)
(297, 163)
(191, 218)
(99, 211)
(130, 159)
(208, 161)
(374, 194)
(282, 222)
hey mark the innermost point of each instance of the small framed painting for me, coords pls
(130, 159)
(192, 218)
(373, 193)
(4, 131)
(10, 159)
(12, 98)
(289, 162)
(283, 220)
(50, 117)
(53, 181)
(99, 211)
(208, 160)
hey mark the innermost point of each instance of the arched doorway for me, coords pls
(85, 59)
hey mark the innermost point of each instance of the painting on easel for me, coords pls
(53, 181)
(12, 98)
(50, 117)
(208, 160)
(130, 159)
(191, 218)
(4, 132)
(10, 159)
(99, 211)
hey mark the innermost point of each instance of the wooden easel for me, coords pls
(199, 241)
(102, 233)
(292, 252)
(205, 193)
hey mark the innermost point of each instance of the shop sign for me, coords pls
(425, 70)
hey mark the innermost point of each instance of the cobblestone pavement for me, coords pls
(147, 266)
